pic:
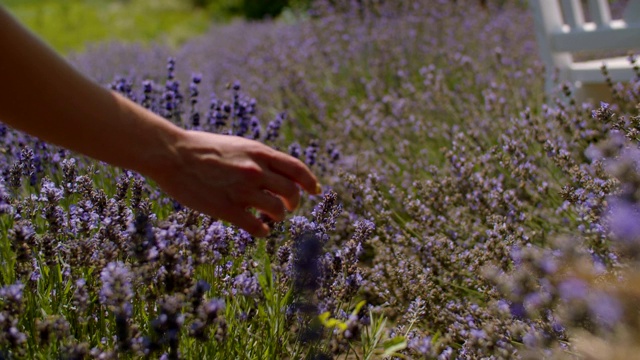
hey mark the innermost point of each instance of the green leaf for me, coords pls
(335, 323)
(324, 316)
(331, 322)
(394, 345)
(265, 278)
(436, 337)
(359, 306)
(379, 330)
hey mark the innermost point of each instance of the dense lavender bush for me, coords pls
(465, 215)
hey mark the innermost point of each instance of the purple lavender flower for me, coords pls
(246, 284)
(421, 345)
(333, 152)
(5, 202)
(167, 326)
(518, 310)
(624, 221)
(11, 309)
(241, 241)
(255, 128)
(301, 225)
(573, 288)
(22, 243)
(11, 295)
(325, 214)
(124, 86)
(218, 239)
(311, 153)
(149, 96)
(193, 100)
(27, 163)
(273, 128)
(295, 150)
(213, 307)
(117, 288)
(606, 308)
(306, 251)
(171, 67)
(209, 313)
(143, 243)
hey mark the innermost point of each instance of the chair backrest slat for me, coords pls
(573, 13)
(618, 36)
(600, 12)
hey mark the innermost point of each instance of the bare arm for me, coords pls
(222, 176)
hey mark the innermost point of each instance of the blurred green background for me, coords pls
(69, 25)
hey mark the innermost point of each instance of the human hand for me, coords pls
(224, 176)
(221, 176)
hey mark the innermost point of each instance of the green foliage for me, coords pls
(373, 340)
(258, 9)
(220, 9)
(249, 9)
(70, 25)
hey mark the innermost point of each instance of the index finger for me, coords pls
(295, 170)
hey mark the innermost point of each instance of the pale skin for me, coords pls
(218, 175)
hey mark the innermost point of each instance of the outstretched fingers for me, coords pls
(247, 221)
(296, 170)
(283, 187)
(264, 202)
(268, 204)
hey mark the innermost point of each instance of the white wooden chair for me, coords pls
(561, 31)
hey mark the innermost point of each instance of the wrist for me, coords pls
(163, 159)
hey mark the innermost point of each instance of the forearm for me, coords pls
(43, 95)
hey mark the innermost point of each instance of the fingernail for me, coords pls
(318, 188)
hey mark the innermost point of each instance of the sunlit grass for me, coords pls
(68, 25)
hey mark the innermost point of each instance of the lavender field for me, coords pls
(465, 213)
